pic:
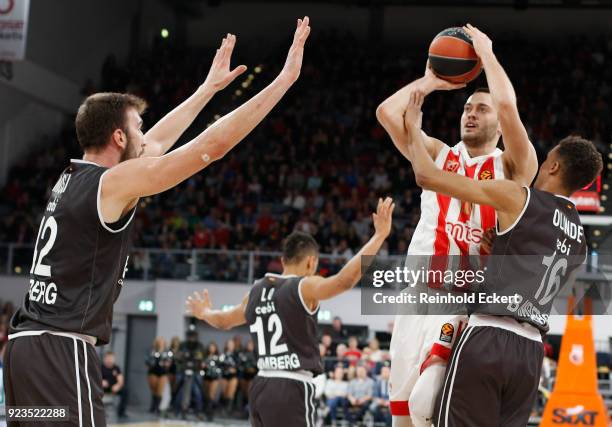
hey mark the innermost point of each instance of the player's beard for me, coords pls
(130, 150)
(481, 137)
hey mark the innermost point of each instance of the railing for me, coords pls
(208, 264)
(180, 264)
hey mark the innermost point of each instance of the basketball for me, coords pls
(452, 56)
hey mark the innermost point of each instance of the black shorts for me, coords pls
(282, 402)
(491, 380)
(51, 370)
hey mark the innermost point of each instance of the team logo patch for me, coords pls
(446, 333)
(451, 166)
(485, 174)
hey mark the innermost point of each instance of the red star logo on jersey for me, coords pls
(485, 174)
(451, 166)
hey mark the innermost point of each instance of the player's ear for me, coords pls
(119, 138)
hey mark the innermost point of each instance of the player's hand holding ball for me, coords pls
(481, 42)
(438, 83)
(382, 217)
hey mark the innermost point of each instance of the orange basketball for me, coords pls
(452, 56)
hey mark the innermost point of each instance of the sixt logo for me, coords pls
(575, 416)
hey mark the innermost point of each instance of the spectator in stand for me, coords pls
(353, 354)
(113, 382)
(380, 402)
(337, 332)
(336, 392)
(330, 348)
(340, 352)
(360, 393)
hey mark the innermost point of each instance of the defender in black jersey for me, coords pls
(497, 360)
(81, 252)
(281, 311)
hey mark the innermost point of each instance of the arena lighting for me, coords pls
(245, 84)
(238, 92)
(609, 155)
(217, 117)
(258, 70)
(604, 197)
(609, 165)
(251, 76)
(594, 245)
(596, 233)
(164, 33)
(606, 187)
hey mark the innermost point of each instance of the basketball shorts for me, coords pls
(491, 380)
(280, 399)
(54, 371)
(415, 338)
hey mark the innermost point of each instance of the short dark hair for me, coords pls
(101, 114)
(299, 245)
(580, 162)
(482, 90)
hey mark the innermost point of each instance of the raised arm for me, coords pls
(200, 307)
(391, 112)
(131, 179)
(315, 288)
(161, 137)
(505, 196)
(520, 159)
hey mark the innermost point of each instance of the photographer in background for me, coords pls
(189, 372)
(113, 382)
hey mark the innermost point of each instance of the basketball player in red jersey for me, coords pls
(420, 344)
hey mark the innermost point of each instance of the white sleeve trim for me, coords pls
(309, 311)
(516, 221)
(106, 227)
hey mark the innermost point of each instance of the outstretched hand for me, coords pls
(293, 64)
(198, 305)
(220, 75)
(383, 217)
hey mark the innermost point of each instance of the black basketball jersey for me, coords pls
(79, 261)
(532, 260)
(282, 327)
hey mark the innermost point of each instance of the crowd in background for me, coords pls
(319, 162)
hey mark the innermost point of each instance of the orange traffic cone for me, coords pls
(575, 400)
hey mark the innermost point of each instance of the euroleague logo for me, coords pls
(446, 333)
(6, 6)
